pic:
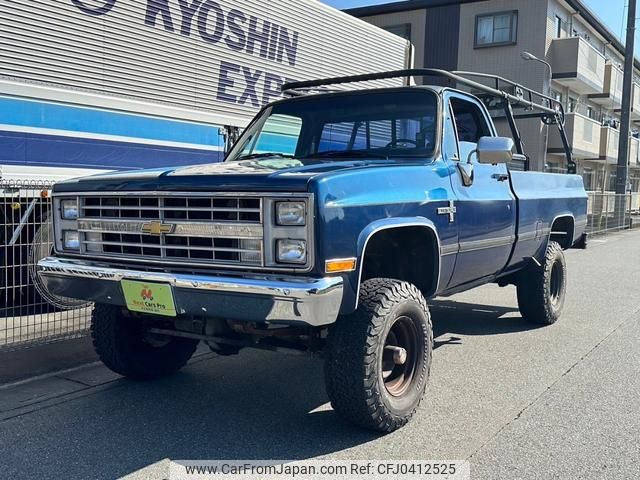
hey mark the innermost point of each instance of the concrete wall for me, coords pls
(506, 60)
(417, 20)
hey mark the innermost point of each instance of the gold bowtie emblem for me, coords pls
(157, 228)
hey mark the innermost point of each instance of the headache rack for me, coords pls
(503, 94)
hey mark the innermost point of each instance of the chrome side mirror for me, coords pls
(495, 150)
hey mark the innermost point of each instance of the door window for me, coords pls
(471, 125)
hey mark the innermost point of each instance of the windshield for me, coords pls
(389, 124)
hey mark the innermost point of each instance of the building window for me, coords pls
(403, 31)
(558, 23)
(496, 29)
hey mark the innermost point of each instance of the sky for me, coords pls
(611, 12)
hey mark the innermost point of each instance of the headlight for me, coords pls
(290, 214)
(291, 251)
(69, 209)
(70, 240)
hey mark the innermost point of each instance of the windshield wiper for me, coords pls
(346, 154)
(264, 155)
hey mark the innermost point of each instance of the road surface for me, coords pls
(516, 400)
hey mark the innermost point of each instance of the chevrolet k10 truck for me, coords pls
(333, 220)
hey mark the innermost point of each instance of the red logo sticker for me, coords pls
(146, 294)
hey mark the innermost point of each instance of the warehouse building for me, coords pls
(94, 85)
(490, 36)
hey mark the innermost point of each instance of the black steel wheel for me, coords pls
(378, 359)
(401, 355)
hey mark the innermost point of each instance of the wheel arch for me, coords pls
(562, 230)
(375, 230)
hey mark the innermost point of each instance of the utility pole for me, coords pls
(625, 125)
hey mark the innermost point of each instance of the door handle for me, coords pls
(501, 177)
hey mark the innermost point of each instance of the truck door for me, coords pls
(485, 211)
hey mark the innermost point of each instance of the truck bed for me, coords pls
(541, 199)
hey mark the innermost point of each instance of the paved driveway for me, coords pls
(519, 402)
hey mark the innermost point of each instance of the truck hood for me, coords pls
(249, 175)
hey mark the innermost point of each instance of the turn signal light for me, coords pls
(341, 265)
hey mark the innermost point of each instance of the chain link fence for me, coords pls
(30, 314)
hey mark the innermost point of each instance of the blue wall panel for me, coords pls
(57, 151)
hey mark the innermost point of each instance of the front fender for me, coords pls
(353, 280)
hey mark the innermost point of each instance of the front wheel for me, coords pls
(124, 345)
(542, 289)
(378, 359)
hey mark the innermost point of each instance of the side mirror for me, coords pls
(495, 150)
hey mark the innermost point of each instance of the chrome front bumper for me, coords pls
(267, 298)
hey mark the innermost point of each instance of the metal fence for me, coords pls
(29, 314)
(602, 216)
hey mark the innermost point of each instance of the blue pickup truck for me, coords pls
(332, 221)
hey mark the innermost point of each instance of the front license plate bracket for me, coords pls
(148, 297)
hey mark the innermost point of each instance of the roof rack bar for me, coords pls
(517, 87)
(457, 76)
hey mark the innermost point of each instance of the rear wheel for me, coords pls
(542, 289)
(125, 346)
(378, 359)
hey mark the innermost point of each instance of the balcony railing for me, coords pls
(635, 104)
(583, 134)
(609, 144)
(577, 65)
(634, 151)
(612, 91)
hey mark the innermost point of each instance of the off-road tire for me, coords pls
(542, 289)
(119, 342)
(354, 354)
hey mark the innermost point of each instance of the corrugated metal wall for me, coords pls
(223, 57)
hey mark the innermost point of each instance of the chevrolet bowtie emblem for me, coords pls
(157, 228)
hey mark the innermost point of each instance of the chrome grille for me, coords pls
(209, 209)
(208, 229)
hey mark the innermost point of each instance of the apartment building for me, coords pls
(586, 75)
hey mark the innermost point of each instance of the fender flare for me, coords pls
(394, 223)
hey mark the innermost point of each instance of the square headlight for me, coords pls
(70, 240)
(291, 251)
(69, 209)
(290, 214)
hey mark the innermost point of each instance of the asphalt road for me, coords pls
(518, 401)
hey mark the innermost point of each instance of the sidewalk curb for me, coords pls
(27, 363)
(52, 388)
